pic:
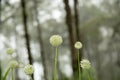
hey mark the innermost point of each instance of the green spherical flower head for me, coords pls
(56, 40)
(13, 64)
(28, 69)
(85, 64)
(78, 45)
(10, 51)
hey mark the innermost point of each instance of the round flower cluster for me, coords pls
(78, 45)
(10, 51)
(56, 40)
(13, 64)
(28, 69)
(85, 64)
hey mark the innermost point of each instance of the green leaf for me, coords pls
(5, 76)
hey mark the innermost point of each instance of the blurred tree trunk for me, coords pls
(24, 15)
(115, 36)
(77, 24)
(40, 41)
(76, 16)
(71, 36)
(26, 30)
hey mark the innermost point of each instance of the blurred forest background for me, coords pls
(26, 26)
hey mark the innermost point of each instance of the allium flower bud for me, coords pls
(85, 64)
(10, 51)
(13, 64)
(28, 69)
(56, 40)
(78, 45)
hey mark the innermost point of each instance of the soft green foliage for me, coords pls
(55, 41)
(13, 64)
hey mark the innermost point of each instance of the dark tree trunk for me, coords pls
(26, 31)
(24, 15)
(71, 36)
(40, 41)
(76, 20)
(77, 24)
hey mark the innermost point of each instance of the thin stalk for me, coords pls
(95, 77)
(79, 64)
(88, 75)
(12, 74)
(55, 62)
(0, 71)
(31, 77)
(6, 73)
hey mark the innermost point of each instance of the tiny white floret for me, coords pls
(56, 40)
(78, 45)
(85, 64)
(13, 64)
(10, 51)
(28, 69)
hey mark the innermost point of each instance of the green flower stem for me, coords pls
(95, 76)
(55, 62)
(6, 73)
(12, 74)
(79, 64)
(79, 72)
(0, 71)
(31, 77)
(88, 75)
